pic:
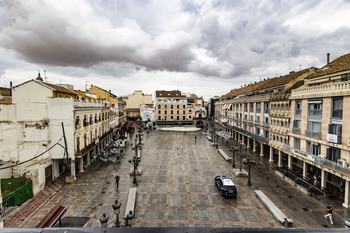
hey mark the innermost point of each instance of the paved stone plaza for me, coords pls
(176, 189)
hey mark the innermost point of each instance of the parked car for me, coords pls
(226, 186)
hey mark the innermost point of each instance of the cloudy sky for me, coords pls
(206, 47)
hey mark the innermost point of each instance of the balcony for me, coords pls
(315, 113)
(266, 124)
(313, 134)
(296, 130)
(257, 122)
(331, 165)
(333, 89)
(266, 110)
(298, 113)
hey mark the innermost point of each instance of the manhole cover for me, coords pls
(73, 222)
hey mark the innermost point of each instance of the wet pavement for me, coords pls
(176, 189)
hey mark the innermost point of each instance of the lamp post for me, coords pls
(240, 159)
(116, 208)
(135, 161)
(249, 162)
(233, 149)
(104, 219)
(129, 219)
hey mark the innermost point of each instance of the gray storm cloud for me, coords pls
(210, 38)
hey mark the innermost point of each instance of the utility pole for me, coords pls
(66, 151)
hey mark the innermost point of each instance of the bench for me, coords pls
(224, 155)
(130, 204)
(52, 217)
(279, 215)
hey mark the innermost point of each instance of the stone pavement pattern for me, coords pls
(176, 189)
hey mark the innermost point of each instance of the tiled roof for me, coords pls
(340, 64)
(169, 94)
(265, 84)
(60, 88)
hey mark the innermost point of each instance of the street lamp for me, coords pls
(233, 149)
(129, 218)
(116, 208)
(104, 219)
(135, 161)
(249, 162)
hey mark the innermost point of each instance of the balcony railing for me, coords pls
(298, 112)
(257, 122)
(266, 124)
(315, 113)
(331, 165)
(332, 89)
(266, 110)
(296, 130)
(313, 134)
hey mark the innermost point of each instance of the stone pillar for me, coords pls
(81, 164)
(248, 146)
(88, 158)
(323, 179)
(305, 170)
(242, 140)
(271, 154)
(254, 145)
(261, 149)
(346, 195)
(279, 164)
(290, 166)
(238, 138)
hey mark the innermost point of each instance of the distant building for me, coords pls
(133, 103)
(176, 108)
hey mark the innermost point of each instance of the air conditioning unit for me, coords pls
(342, 163)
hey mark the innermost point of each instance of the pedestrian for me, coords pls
(195, 139)
(329, 213)
(117, 178)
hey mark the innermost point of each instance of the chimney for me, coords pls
(328, 58)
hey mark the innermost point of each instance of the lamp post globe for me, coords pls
(104, 219)
(129, 218)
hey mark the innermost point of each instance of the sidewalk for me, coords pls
(20, 216)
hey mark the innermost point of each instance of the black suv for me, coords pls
(226, 186)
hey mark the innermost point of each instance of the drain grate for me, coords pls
(73, 222)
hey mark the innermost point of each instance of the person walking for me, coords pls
(117, 178)
(195, 139)
(329, 213)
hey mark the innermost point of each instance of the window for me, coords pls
(184, 106)
(178, 112)
(315, 126)
(159, 112)
(165, 106)
(171, 112)
(159, 106)
(258, 107)
(297, 143)
(184, 112)
(298, 108)
(257, 130)
(183, 118)
(165, 117)
(333, 154)
(171, 106)
(177, 118)
(178, 106)
(315, 109)
(171, 117)
(165, 112)
(190, 117)
(266, 107)
(251, 109)
(159, 118)
(245, 107)
(314, 148)
(337, 108)
(266, 134)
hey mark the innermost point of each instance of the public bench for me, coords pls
(52, 217)
(224, 155)
(279, 215)
(130, 204)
